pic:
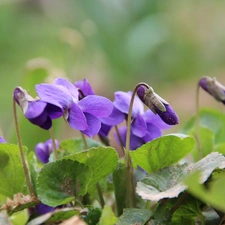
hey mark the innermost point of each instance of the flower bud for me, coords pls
(158, 105)
(213, 87)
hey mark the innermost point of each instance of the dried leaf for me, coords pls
(19, 202)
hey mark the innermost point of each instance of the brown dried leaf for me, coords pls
(19, 202)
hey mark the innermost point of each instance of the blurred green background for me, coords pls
(115, 44)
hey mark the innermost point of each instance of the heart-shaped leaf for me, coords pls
(168, 182)
(61, 181)
(12, 178)
(162, 152)
(101, 160)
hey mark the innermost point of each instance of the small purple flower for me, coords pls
(84, 114)
(158, 105)
(115, 118)
(144, 126)
(43, 209)
(43, 150)
(38, 111)
(2, 140)
(213, 87)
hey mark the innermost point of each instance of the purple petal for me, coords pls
(42, 152)
(115, 118)
(43, 209)
(52, 93)
(138, 126)
(77, 119)
(50, 147)
(169, 116)
(2, 140)
(153, 132)
(94, 125)
(54, 111)
(104, 131)
(37, 114)
(122, 102)
(135, 142)
(96, 105)
(85, 87)
(69, 86)
(155, 119)
(35, 109)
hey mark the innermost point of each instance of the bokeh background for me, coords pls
(115, 44)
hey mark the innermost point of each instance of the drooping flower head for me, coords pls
(145, 126)
(82, 114)
(213, 87)
(158, 105)
(43, 150)
(38, 111)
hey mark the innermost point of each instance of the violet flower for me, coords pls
(43, 150)
(2, 140)
(43, 209)
(115, 118)
(158, 105)
(144, 126)
(38, 111)
(213, 87)
(83, 115)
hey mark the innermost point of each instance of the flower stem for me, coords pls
(127, 159)
(120, 139)
(197, 124)
(25, 168)
(100, 195)
(53, 143)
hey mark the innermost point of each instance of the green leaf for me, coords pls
(101, 160)
(212, 119)
(75, 145)
(213, 195)
(189, 212)
(134, 216)
(93, 216)
(119, 181)
(19, 218)
(12, 177)
(220, 148)
(168, 182)
(207, 143)
(108, 217)
(55, 216)
(32, 160)
(162, 152)
(61, 181)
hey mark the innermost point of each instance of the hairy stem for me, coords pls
(120, 139)
(127, 159)
(53, 143)
(197, 124)
(25, 168)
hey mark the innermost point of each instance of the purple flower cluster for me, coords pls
(62, 99)
(145, 126)
(92, 114)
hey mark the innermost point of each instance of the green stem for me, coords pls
(101, 199)
(127, 160)
(53, 143)
(197, 124)
(120, 139)
(25, 168)
(148, 205)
